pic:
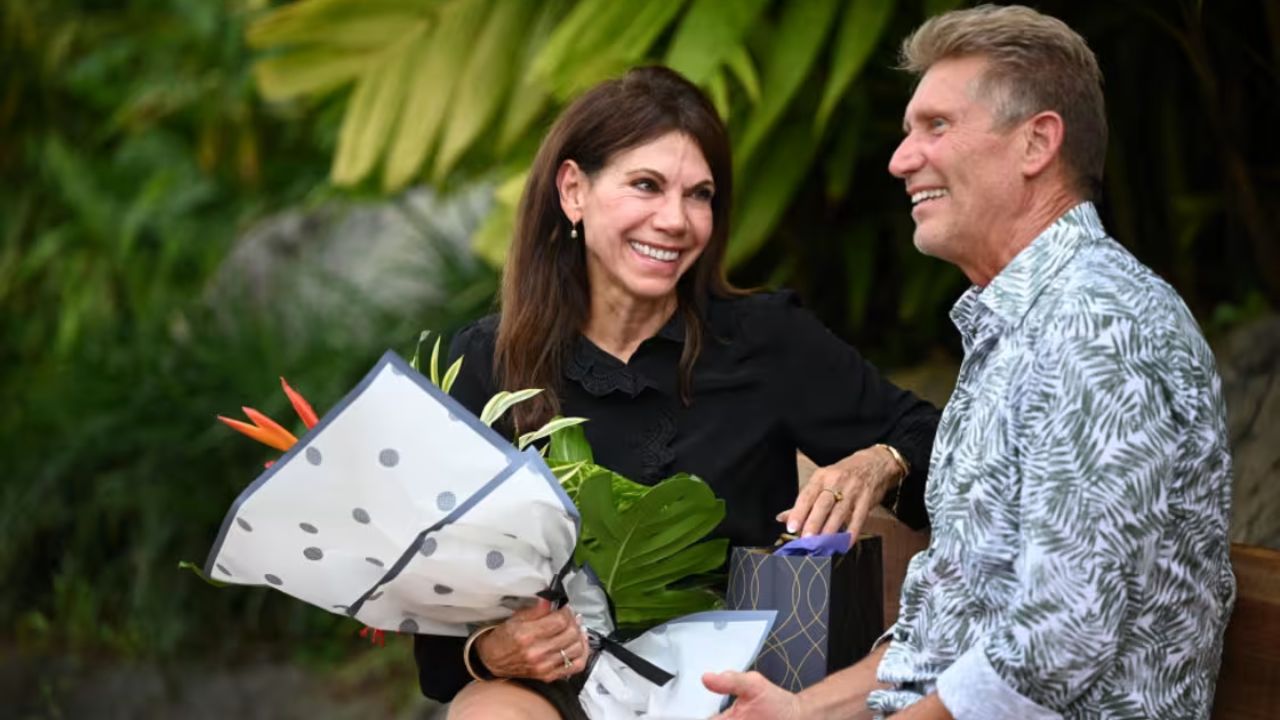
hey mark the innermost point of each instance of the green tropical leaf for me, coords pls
(553, 426)
(485, 82)
(718, 89)
(530, 95)
(708, 33)
(415, 362)
(305, 72)
(570, 446)
(796, 43)
(451, 375)
(435, 363)
(374, 108)
(740, 64)
(503, 401)
(778, 175)
(491, 240)
(431, 89)
(638, 552)
(859, 33)
(600, 38)
(350, 24)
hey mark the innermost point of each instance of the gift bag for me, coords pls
(830, 609)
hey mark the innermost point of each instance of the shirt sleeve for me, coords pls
(441, 672)
(1096, 441)
(837, 403)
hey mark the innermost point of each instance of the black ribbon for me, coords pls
(642, 667)
(645, 669)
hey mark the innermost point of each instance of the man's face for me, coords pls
(962, 174)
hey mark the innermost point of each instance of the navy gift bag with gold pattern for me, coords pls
(830, 609)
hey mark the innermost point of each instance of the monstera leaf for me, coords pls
(641, 550)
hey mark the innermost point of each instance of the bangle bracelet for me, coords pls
(900, 461)
(905, 467)
(466, 655)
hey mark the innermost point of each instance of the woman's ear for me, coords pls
(571, 182)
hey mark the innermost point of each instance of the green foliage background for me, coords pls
(139, 139)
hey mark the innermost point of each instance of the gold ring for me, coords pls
(567, 662)
(834, 493)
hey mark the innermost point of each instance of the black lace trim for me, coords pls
(601, 376)
(654, 447)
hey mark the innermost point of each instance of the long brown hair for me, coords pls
(545, 295)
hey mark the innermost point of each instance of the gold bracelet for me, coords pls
(466, 652)
(904, 466)
(900, 461)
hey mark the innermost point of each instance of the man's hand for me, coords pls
(757, 698)
(535, 643)
(842, 495)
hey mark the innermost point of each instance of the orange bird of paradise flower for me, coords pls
(269, 432)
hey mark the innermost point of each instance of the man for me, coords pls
(1080, 486)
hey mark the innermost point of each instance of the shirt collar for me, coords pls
(1012, 293)
(673, 329)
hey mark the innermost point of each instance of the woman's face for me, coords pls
(646, 215)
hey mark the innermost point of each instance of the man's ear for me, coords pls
(572, 183)
(1042, 135)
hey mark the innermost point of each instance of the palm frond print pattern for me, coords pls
(1079, 494)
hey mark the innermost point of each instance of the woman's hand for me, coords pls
(536, 642)
(842, 495)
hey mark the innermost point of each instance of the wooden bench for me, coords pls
(1249, 683)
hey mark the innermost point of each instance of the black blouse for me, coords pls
(770, 380)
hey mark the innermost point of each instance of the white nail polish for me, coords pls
(791, 528)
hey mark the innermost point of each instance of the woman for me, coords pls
(614, 300)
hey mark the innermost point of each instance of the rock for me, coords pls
(335, 267)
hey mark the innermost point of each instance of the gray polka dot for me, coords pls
(242, 523)
(513, 537)
(446, 500)
(601, 689)
(361, 515)
(343, 608)
(313, 553)
(511, 602)
(374, 596)
(409, 626)
(222, 569)
(720, 624)
(308, 528)
(313, 456)
(389, 458)
(494, 560)
(273, 579)
(373, 561)
(428, 547)
(443, 589)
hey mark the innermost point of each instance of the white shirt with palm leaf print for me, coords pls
(1079, 493)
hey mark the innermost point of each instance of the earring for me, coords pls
(573, 231)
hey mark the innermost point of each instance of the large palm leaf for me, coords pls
(440, 84)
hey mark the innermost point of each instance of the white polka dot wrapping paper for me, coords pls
(402, 510)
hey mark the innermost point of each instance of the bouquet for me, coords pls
(401, 509)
